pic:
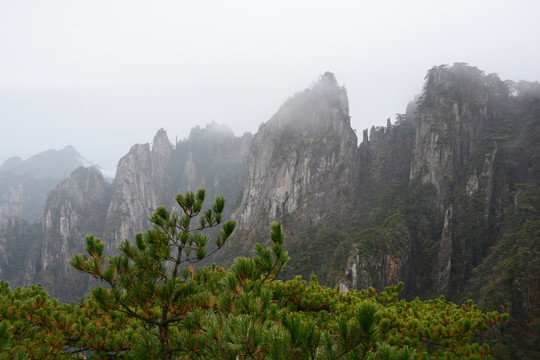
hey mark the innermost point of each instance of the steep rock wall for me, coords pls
(76, 207)
(301, 164)
(458, 122)
(139, 186)
(380, 238)
(451, 119)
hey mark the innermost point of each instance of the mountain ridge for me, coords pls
(25, 184)
(430, 200)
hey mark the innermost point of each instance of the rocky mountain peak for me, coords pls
(10, 163)
(452, 115)
(134, 196)
(48, 164)
(327, 85)
(303, 155)
(24, 184)
(212, 129)
(324, 105)
(70, 150)
(161, 142)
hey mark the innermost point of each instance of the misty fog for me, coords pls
(104, 75)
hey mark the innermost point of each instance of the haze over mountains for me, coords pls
(81, 71)
(445, 198)
(25, 184)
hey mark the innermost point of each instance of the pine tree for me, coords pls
(150, 281)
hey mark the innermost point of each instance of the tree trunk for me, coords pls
(164, 338)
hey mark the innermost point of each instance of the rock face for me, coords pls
(381, 261)
(139, 187)
(452, 117)
(459, 109)
(301, 162)
(76, 207)
(444, 257)
(449, 195)
(147, 178)
(381, 254)
(390, 270)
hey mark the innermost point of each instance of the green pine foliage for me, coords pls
(155, 304)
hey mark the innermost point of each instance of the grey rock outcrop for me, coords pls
(453, 150)
(444, 257)
(301, 162)
(452, 117)
(377, 269)
(139, 187)
(76, 208)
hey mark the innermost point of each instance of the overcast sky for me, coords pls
(102, 75)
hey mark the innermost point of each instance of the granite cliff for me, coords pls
(456, 224)
(458, 157)
(300, 166)
(135, 191)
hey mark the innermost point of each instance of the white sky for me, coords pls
(102, 75)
